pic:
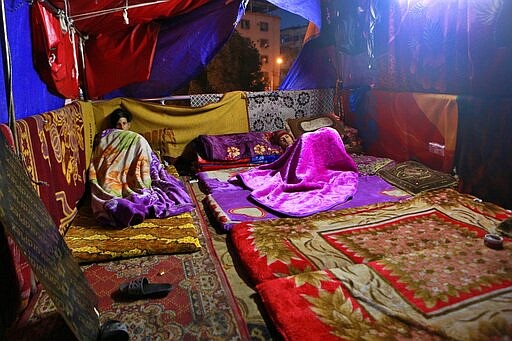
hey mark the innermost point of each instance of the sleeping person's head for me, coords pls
(282, 138)
(120, 119)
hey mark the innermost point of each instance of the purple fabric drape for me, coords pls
(186, 44)
(445, 47)
(313, 175)
(456, 47)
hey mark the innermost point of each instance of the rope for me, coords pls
(89, 15)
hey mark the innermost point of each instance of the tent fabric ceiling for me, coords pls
(102, 17)
(119, 50)
(135, 48)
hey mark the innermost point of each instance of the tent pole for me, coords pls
(83, 75)
(6, 54)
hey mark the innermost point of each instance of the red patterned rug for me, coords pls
(201, 305)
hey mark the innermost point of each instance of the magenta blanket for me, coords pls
(313, 175)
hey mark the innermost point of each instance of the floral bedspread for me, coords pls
(412, 270)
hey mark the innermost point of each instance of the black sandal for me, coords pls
(141, 288)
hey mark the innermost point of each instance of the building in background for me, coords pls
(263, 28)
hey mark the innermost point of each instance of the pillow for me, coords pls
(232, 147)
(299, 126)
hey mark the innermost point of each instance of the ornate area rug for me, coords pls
(414, 177)
(286, 246)
(201, 305)
(458, 290)
(414, 270)
(246, 297)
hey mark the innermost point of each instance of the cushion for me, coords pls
(415, 177)
(299, 126)
(91, 242)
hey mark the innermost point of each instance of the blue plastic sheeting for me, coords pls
(30, 93)
(309, 9)
(313, 68)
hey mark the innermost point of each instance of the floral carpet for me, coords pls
(200, 305)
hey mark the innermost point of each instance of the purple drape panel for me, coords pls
(456, 46)
(186, 44)
(30, 93)
(447, 47)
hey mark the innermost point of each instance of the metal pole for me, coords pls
(7, 63)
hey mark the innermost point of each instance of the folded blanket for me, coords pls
(313, 175)
(129, 184)
(255, 146)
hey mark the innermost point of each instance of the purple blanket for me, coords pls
(129, 184)
(255, 146)
(313, 175)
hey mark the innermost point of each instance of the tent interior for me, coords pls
(418, 92)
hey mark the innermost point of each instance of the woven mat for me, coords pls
(90, 242)
(414, 177)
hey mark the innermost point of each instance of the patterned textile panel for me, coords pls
(204, 99)
(232, 147)
(414, 177)
(230, 207)
(90, 242)
(277, 248)
(369, 164)
(206, 166)
(268, 111)
(413, 296)
(409, 126)
(24, 275)
(53, 149)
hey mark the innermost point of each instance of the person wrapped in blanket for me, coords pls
(128, 182)
(282, 138)
(314, 174)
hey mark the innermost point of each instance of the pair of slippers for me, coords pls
(141, 288)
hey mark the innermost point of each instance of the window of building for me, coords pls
(263, 26)
(264, 59)
(264, 43)
(246, 24)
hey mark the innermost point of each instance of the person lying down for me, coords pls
(128, 182)
(314, 174)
